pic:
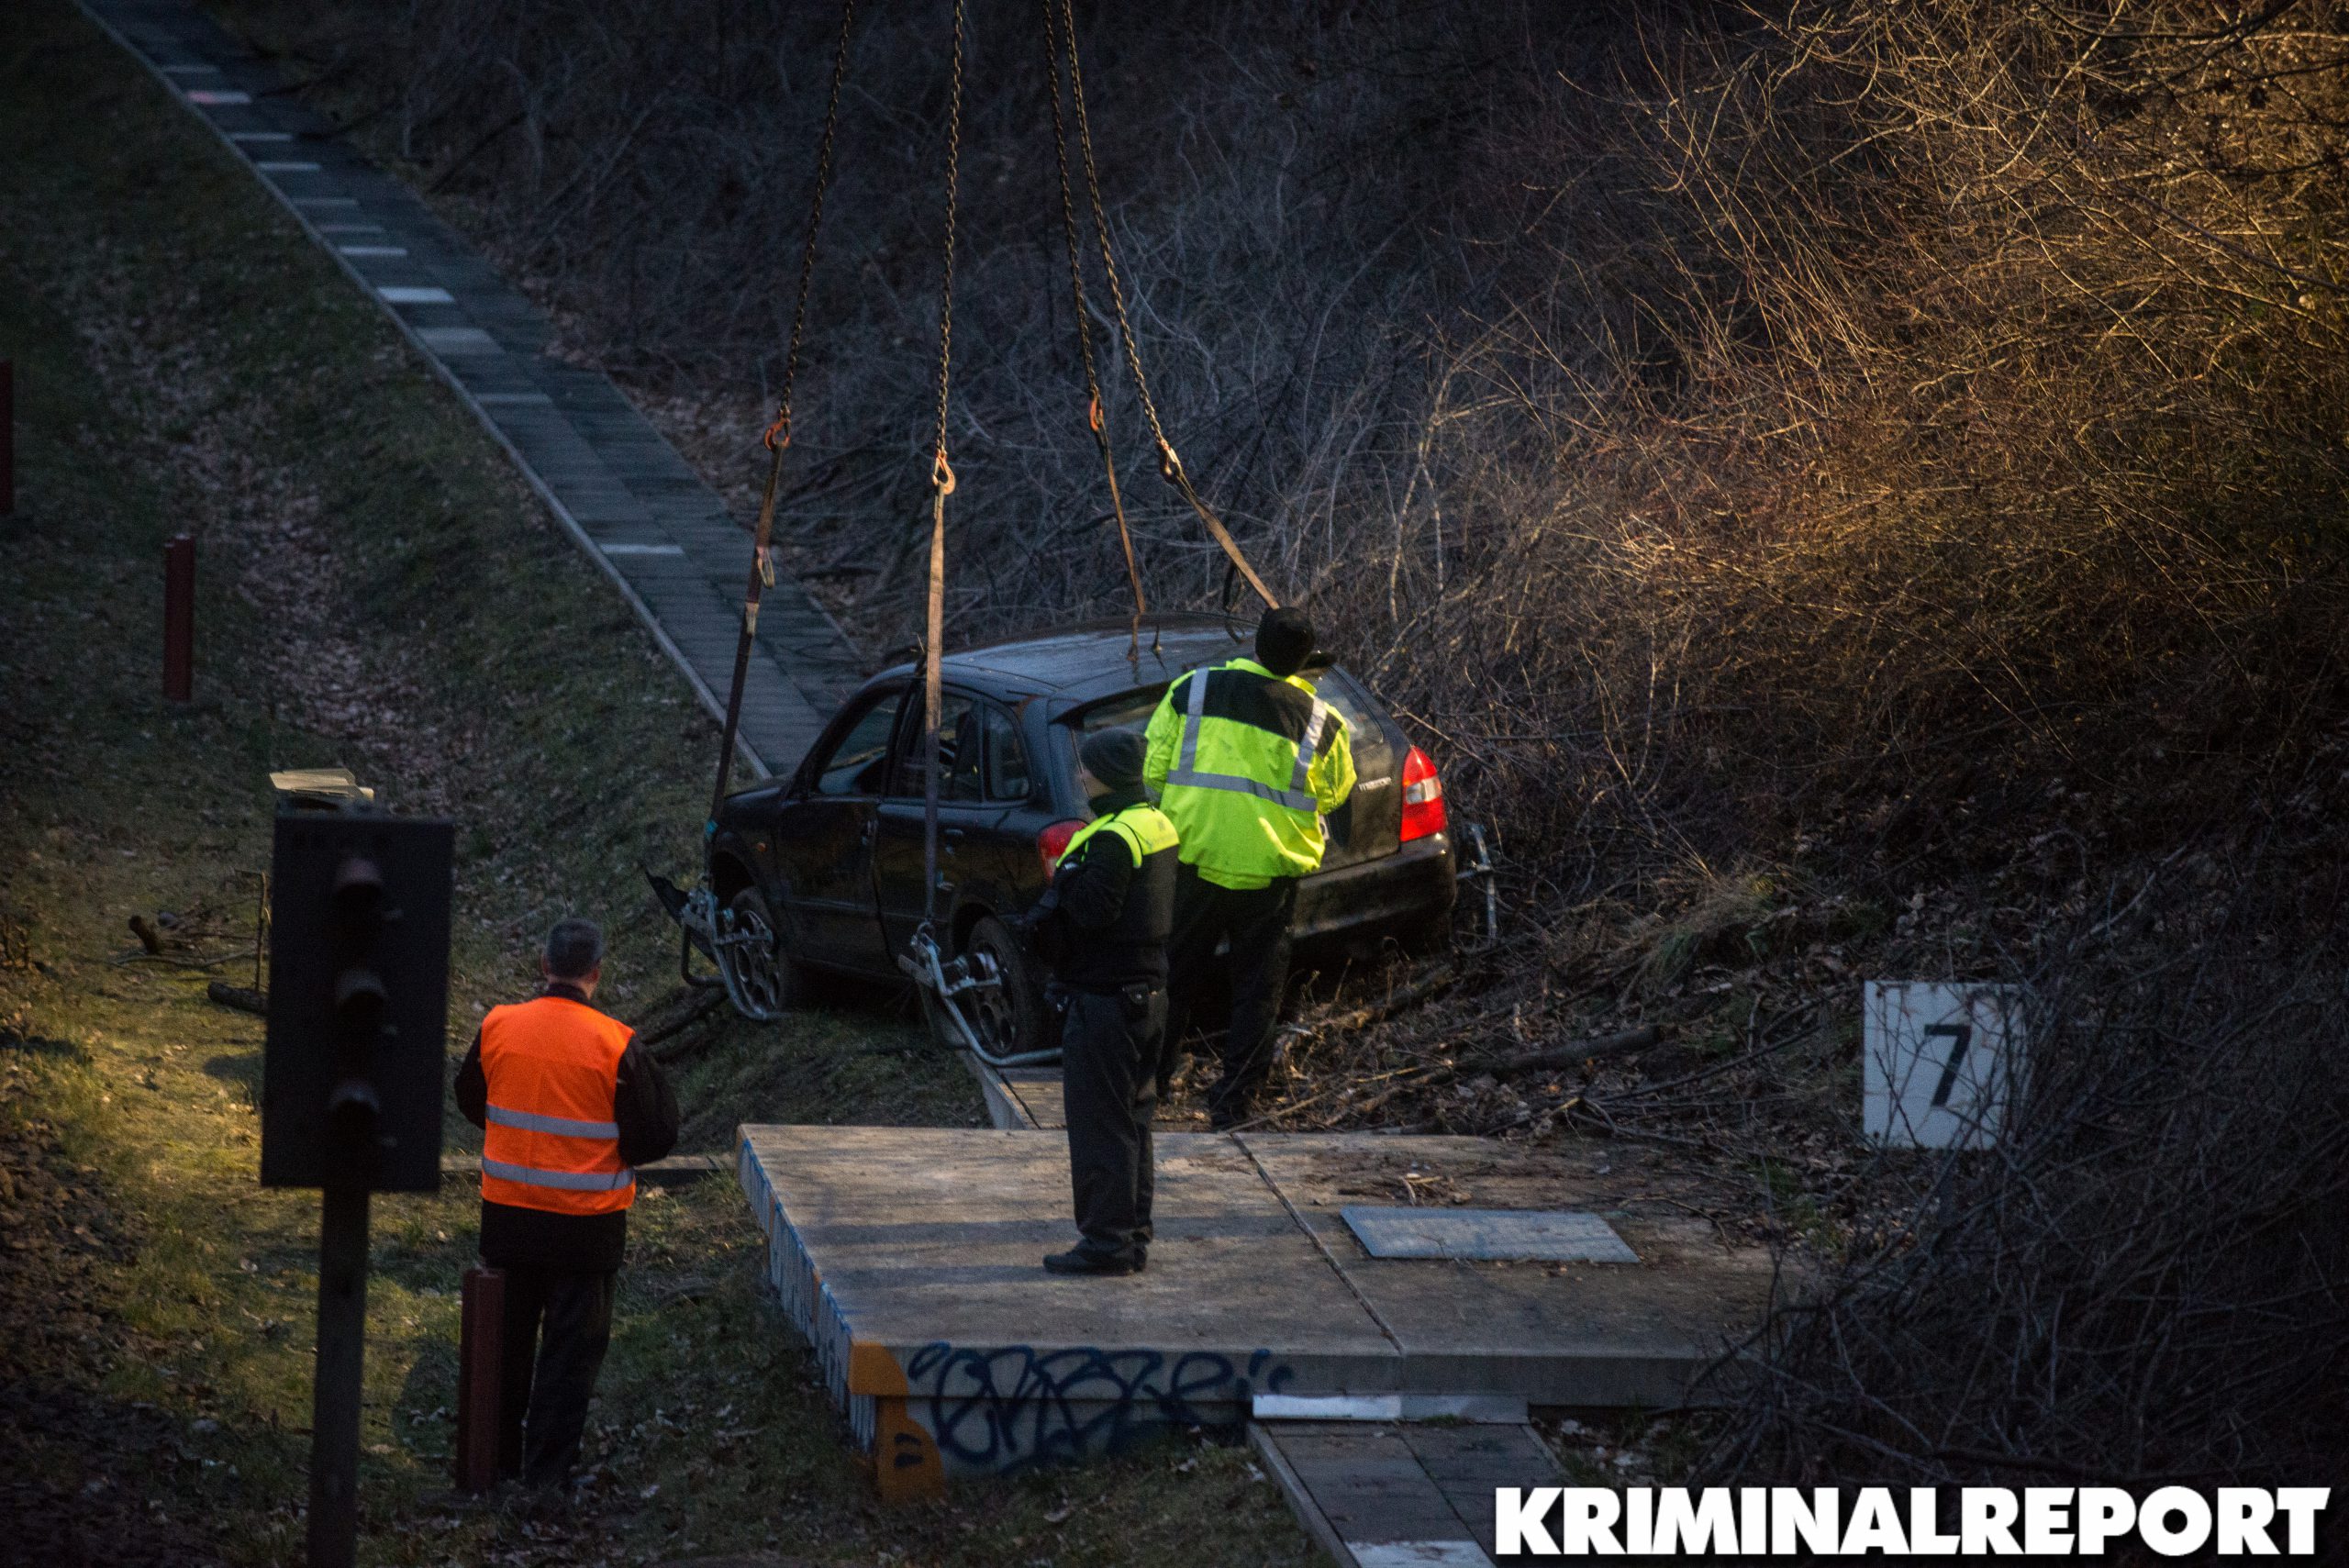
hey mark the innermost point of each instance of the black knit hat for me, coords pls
(1283, 640)
(1115, 757)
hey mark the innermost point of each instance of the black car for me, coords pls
(828, 861)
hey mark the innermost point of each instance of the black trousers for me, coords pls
(567, 1318)
(1109, 1073)
(1255, 921)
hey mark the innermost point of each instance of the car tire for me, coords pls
(765, 981)
(1013, 1019)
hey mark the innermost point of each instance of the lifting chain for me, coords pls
(778, 434)
(941, 481)
(1095, 414)
(1170, 466)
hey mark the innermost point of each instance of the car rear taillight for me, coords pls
(1423, 815)
(1053, 843)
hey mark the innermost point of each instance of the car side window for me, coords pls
(960, 750)
(1006, 756)
(860, 762)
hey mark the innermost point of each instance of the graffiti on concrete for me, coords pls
(1015, 1406)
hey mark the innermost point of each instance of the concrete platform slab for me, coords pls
(1368, 1489)
(1385, 1496)
(1552, 1333)
(910, 1259)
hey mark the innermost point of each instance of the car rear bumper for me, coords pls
(1414, 886)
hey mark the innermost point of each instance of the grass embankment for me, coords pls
(374, 589)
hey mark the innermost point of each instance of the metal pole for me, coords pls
(179, 615)
(7, 439)
(341, 1357)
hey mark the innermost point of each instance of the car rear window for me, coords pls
(1335, 686)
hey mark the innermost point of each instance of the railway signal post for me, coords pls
(352, 1081)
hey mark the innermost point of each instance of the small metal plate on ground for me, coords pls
(1515, 1235)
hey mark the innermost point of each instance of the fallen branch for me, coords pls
(1551, 1058)
(244, 998)
(702, 1005)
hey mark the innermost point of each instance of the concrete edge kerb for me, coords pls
(571, 525)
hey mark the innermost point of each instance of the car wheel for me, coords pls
(763, 980)
(1009, 1018)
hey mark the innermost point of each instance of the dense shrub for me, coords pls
(1888, 447)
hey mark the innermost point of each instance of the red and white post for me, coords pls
(7, 439)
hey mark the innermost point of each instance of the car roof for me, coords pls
(1086, 661)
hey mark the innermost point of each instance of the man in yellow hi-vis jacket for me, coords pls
(1246, 760)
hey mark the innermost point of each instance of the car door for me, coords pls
(967, 816)
(823, 840)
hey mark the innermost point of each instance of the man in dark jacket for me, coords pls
(569, 1105)
(1102, 925)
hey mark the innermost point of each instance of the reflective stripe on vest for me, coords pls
(552, 1140)
(1296, 796)
(561, 1125)
(1144, 828)
(569, 1181)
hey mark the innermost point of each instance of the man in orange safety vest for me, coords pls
(568, 1104)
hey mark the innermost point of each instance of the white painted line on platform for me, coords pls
(1499, 1409)
(217, 97)
(373, 249)
(1418, 1554)
(1327, 1406)
(617, 549)
(404, 295)
(457, 340)
(285, 166)
(260, 136)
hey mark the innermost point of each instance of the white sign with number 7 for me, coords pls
(1940, 1061)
